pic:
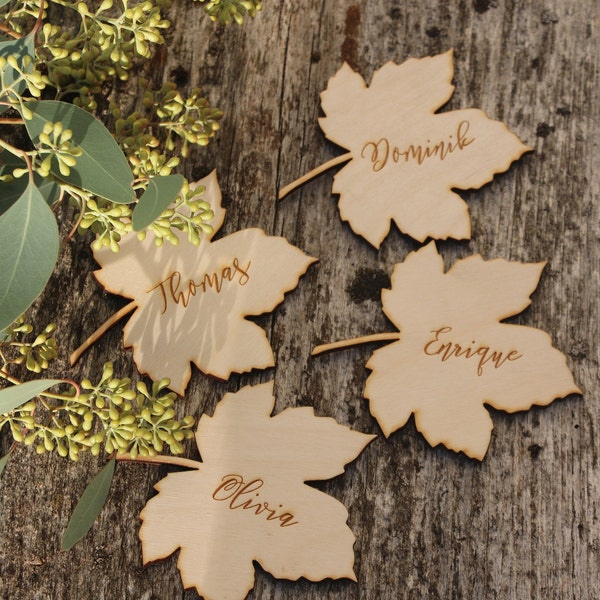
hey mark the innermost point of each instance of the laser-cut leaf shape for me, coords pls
(191, 302)
(248, 500)
(509, 367)
(406, 159)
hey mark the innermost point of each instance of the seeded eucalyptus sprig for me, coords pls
(113, 179)
(114, 414)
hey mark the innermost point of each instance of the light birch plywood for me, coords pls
(247, 501)
(191, 301)
(404, 158)
(454, 355)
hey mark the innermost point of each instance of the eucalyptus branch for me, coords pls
(9, 31)
(21, 153)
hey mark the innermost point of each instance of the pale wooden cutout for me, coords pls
(404, 160)
(191, 302)
(247, 500)
(453, 355)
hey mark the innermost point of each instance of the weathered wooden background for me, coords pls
(429, 523)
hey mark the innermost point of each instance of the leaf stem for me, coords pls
(365, 339)
(18, 152)
(38, 22)
(9, 31)
(338, 160)
(101, 331)
(16, 381)
(77, 223)
(162, 459)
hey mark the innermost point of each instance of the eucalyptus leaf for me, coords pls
(161, 191)
(89, 506)
(16, 395)
(4, 2)
(3, 462)
(19, 49)
(29, 235)
(10, 192)
(102, 168)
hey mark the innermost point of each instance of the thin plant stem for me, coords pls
(9, 31)
(101, 331)
(163, 460)
(16, 381)
(365, 339)
(338, 160)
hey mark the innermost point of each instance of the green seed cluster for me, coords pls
(190, 214)
(190, 119)
(16, 14)
(224, 11)
(22, 71)
(133, 418)
(80, 64)
(106, 45)
(56, 142)
(36, 354)
(109, 221)
(114, 414)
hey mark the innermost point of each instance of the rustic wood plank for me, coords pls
(429, 523)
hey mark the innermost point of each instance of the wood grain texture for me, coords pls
(430, 524)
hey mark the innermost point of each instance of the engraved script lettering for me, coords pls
(171, 291)
(447, 350)
(239, 494)
(382, 152)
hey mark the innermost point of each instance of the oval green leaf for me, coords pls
(89, 506)
(29, 235)
(19, 49)
(16, 395)
(161, 191)
(102, 168)
(4, 2)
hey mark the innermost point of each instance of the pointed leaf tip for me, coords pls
(89, 506)
(159, 194)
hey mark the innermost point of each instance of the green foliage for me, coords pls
(16, 395)
(52, 78)
(13, 188)
(224, 11)
(81, 151)
(74, 155)
(16, 349)
(115, 414)
(29, 251)
(20, 52)
(161, 191)
(189, 213)
(89, 506)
